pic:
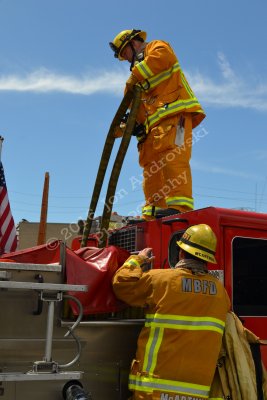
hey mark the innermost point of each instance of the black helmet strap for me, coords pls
(133, 57)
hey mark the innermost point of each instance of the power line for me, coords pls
(53, 196)
(138, 201)
(137, 190)
(49, 206)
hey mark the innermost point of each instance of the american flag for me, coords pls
(8, 236)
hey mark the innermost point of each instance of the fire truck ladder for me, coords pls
(51, 293)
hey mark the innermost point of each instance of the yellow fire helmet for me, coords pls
(200, 241)
(123, 38)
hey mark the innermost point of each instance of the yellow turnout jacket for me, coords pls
(179, 345)
(166, 91)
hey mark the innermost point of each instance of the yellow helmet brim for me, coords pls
(201, 253)
(122, 39)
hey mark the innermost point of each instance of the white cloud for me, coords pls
(232, 91)
(213, 169)
(44, 81)
(225, 67)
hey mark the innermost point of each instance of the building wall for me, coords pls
(28, 233)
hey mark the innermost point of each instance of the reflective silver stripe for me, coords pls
(179, 201)
(186, 85)
(148, 384)
(171, 108)
(157, 79)
(154, 80)
(144, 70)
(152, 349)
(147, 210)
(185, 323)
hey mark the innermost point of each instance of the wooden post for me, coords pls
(43, 216)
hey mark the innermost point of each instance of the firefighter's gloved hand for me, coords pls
(132, 80)
(148, 258)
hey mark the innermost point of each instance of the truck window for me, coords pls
(249, 276)
(173, 250)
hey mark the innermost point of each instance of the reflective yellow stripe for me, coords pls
(151, 81)
(144, 69)
(157, 79)
(154, 80)
(216, 398)
(152, 348)
(148, 384)
(132, 262)
(182, 322)
(147, 210)
(179, 201)
(170, 109)
(186, 85)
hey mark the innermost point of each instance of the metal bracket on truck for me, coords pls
(47, 369)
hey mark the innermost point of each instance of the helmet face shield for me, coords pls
(114, 49)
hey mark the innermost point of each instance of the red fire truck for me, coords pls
(37, 338)
(241, 255)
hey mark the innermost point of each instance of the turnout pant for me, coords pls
(165, 158)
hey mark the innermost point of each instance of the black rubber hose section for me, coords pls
(115, 173)
(104, 162)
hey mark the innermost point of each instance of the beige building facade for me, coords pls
(28, 233)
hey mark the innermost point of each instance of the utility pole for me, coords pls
(43, 216)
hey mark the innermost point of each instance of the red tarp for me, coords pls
(87, 266)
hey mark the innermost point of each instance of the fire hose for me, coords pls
(134, 97)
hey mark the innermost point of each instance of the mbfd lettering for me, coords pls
(199, 286)
(165, 396)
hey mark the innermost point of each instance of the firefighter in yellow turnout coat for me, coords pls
(169, 111)
(186, 309)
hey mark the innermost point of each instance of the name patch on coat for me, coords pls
(165, 396)
(191, 285)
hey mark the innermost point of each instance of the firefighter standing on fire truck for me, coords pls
(186, 310)
(168, 112)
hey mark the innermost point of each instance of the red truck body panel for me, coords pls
(241, 256)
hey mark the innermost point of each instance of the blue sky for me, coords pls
(60, 87)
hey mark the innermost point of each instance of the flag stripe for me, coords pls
(4, 211)
(8, 236)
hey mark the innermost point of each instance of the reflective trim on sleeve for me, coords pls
(163, 76)
(144, 69)
(151, 80)
(132, 261)
(187, 86)
(149, 384)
